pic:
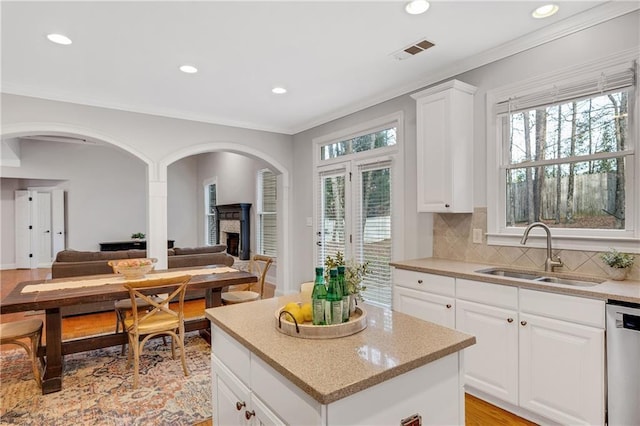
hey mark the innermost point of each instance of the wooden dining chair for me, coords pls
(159, 319)
(123, 308)
(261, 265)
(15, 332)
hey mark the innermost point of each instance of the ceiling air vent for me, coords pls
(412, 49)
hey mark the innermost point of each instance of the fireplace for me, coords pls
(233, 223)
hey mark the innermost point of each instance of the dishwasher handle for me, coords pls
(628, 321)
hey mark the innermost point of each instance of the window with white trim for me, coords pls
(566, 155)
(267, 234)
(210, 214)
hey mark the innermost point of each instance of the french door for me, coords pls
(354, 217)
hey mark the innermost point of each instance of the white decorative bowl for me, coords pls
(133, 269)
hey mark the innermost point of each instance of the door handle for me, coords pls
(47, 231)
(319, 243)
(59, 233)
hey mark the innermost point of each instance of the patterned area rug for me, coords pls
(97, 388)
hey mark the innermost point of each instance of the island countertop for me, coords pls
(392, 344)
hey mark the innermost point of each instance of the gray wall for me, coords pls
(103, 186)
(604, 39)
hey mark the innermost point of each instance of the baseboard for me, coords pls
(8, 266)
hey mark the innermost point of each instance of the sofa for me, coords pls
(72, 263)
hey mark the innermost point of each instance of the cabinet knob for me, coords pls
(447, 205)
(509, 320)
(249, 414)
(523, 323)
(419, 281)
(239, 405)
(448, 305)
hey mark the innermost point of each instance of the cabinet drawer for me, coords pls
(232, 354)
(422, 281)
(563, 307)
(291, 403)
(490, 294)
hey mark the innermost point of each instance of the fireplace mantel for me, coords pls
(237, 212)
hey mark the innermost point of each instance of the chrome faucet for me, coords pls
(550, 263)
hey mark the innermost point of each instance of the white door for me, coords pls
(45, 241)
(24, 221)
(57, 221)
(491, 365)
(562, 370)
(426, 306)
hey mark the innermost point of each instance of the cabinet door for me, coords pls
(231, 399)
(491, 365)
(562, 370)
(264, 416)
(426, 306)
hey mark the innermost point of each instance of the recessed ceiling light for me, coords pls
(59, 39)
(416, 7)
(279, 90)
(189, 69)
(545, 11)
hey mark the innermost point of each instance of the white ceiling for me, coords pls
(334, 57)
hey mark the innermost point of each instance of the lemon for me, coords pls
(307, 312)
(296, 312)
(291, 306)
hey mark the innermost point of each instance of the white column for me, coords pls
(157, 222)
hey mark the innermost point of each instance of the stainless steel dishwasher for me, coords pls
(623, 363)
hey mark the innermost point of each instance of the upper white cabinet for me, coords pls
(445, 147)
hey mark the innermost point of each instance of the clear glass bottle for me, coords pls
(345, 293)
(333, 311)
(318, 298)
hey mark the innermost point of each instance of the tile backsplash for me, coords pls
(453, 239)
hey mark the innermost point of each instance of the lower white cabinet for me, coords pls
(491, 365)
(234, 403)
(543, 352)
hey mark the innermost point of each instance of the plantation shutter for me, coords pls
(372, 239)
(268, 217)
(614, 79)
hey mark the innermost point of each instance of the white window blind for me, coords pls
(267, 213)
(331, 213)
(373, 229)
(610, 80)
(211, 214)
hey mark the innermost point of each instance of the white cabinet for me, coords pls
(562, 362)
(425, 296)
(445, 147)
(491, 365)
(543, 352)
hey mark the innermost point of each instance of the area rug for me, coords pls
(97, 388)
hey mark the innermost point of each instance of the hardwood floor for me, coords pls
(478, 412)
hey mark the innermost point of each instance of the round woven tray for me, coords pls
(286, 324)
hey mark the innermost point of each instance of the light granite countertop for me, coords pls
(626, 291)
(392, 344)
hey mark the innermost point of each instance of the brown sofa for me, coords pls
(72, 263)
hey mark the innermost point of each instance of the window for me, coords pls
(359, 200)
(210, 213)
(566, 157)
(267, 216)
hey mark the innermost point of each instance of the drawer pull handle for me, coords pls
(448, 305)
(523, 323)
(239, 405)
(419, 281)
(509, 320)
(249, 414)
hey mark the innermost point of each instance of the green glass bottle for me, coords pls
(345, 293)
(318, 298)
(333, 309)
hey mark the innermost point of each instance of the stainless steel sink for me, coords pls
(532, 276)
(567, 281)
(510, 273)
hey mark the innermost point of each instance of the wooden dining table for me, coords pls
(52, 300)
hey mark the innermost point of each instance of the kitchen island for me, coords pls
(397, 367)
